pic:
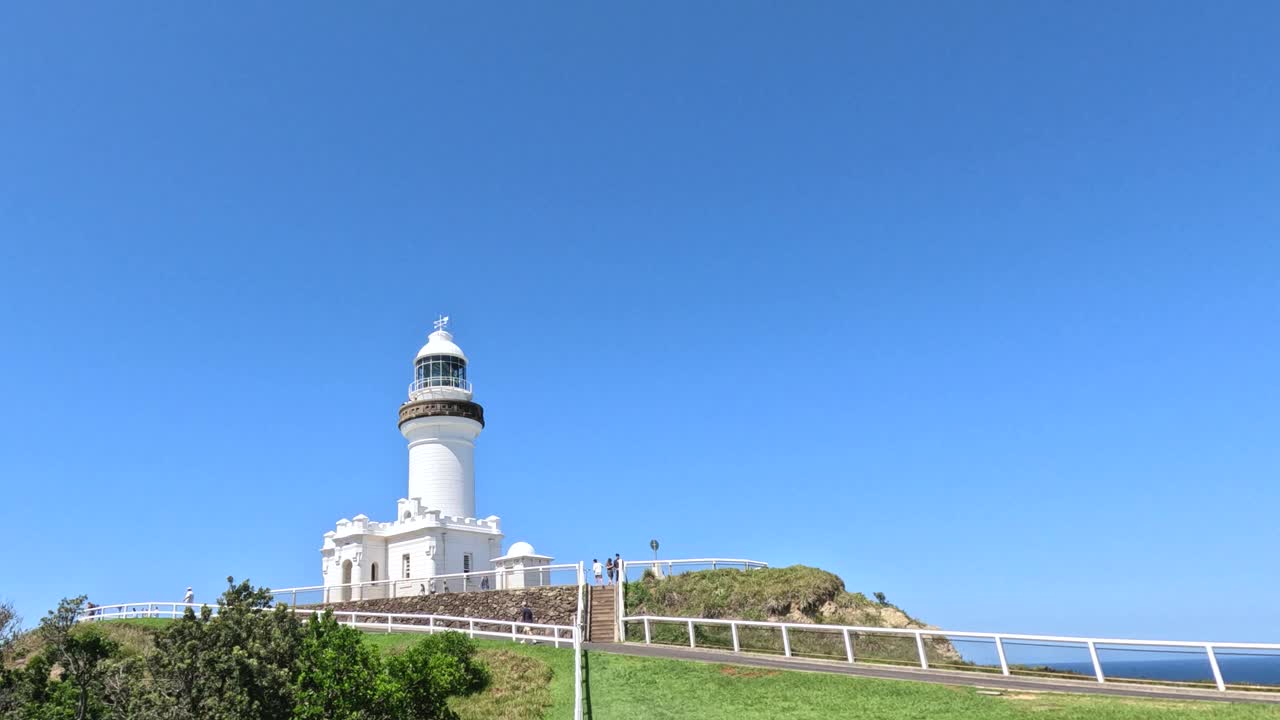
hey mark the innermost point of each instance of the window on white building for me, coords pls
(466, 562)
(373, 571)
(404, 560)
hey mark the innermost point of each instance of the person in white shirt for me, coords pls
(598, 569)
(190, 597)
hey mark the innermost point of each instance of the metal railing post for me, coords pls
(1004, 664)
(924, 661)
(471, 629)
(848, 645)
(786, 642)
(1217, 671)
(388, 624)
(733, 630)
(691, 633)
(647, 640)
(295, 599)
(1097, 665)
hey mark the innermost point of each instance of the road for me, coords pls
(943, 677)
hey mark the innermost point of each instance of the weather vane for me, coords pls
(441, 322)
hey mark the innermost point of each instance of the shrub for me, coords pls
(340, 676)
(78, 651)
(423, 677)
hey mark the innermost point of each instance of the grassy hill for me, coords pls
(536, 682)
(797, 594)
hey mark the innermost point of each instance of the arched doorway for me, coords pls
(346, 581)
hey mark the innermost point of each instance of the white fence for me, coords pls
(661, 568)
(382, 622)
(399, 622)
(848, 633)
(475, 581)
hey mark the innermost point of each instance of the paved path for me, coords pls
(944, 677)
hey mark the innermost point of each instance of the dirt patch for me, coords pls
(745, 672)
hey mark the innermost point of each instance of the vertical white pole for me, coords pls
(513, 632)
(295, 598)
(1004, 664)
(1217, 671)
(848, 645)
(619, 598)
(786, 642)
(471, 629)
(646, 631)
(388, 624)
(733, 629)
(690, 633)
(1097, 666)
(924, 661)
(577, 670)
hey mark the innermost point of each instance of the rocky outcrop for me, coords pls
(550, 605)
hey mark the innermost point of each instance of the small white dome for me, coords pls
(441, 342)
(520, 548)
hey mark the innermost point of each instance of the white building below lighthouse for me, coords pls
(435, 530)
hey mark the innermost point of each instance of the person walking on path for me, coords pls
(189, 598)
(598, 570)
(526, 616)
(608, 570)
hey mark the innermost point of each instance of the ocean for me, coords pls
(1243, 669)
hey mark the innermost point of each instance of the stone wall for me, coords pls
(550, 605)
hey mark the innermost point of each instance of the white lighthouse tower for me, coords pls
(435, 531)
(441, 424)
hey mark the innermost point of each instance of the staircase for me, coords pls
(601, 614)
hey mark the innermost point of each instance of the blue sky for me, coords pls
(972, 305)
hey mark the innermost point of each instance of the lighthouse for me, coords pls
(441, 423)
(436, 531)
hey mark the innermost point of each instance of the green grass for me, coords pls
(528, 681)
(631, 687)
(536, 681)
(623, 686)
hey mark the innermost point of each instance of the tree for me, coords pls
(238, 665)
(881, 599)
(9, 622)
(423, 677)
(79, 651)
(340, 676)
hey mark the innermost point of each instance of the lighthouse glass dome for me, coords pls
(440, 371)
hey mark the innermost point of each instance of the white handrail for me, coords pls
(465, 582)
(920, 633)
(749, 564)
(572, 633)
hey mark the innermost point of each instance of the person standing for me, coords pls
(608, 570)
(526, 616)
(617, 568)
(189, 598)
(598, 570)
